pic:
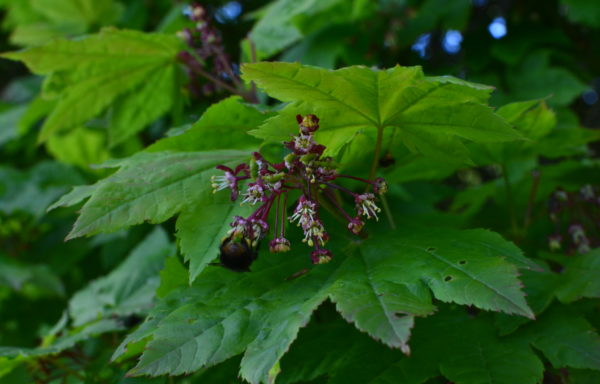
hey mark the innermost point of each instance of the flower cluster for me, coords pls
(206, 57)
(306, 170)
(579, 213)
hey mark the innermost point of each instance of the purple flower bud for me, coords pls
(356, 225)
(308, 124)
(279, 245)
(380, 186)
(321, 256)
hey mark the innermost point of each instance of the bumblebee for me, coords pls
(237, 253)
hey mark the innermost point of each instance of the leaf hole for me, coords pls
(448, 278)
(462, 262)
(431, 249)
(400, 315)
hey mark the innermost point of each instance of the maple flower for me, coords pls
(365, 205)
(314, 232)
(305, 211)
(230, 179)
(254, 194)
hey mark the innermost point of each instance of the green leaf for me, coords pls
(33, 190)
(39, 280)
(81, 147)
(371, 295)
(133, 71)
(172, 276)
(380, 286)
(566, 339)
(584, 12)
(284, 22)
(78, 14)
(37, 22)
(200, 230)
(425, 112)
(224, 125)
(66, 341)
(9, 123)
(580, 278)
(540, 287)
(465, 349)
(473, 354)
(536, 78)
(128, 289)
(225, 313)
(149, 187)
(77, 194)
(464, 267)
(531, 118)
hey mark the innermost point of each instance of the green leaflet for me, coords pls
(135, 73)
(427, 113)
(380, 286)
(129, 288)
(149, 187)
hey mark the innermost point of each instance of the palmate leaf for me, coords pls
(380, 286)
(135, 73)
(430, 115)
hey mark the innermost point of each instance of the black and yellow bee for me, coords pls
(237, 253)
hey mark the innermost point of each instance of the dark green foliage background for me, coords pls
(466, 283)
